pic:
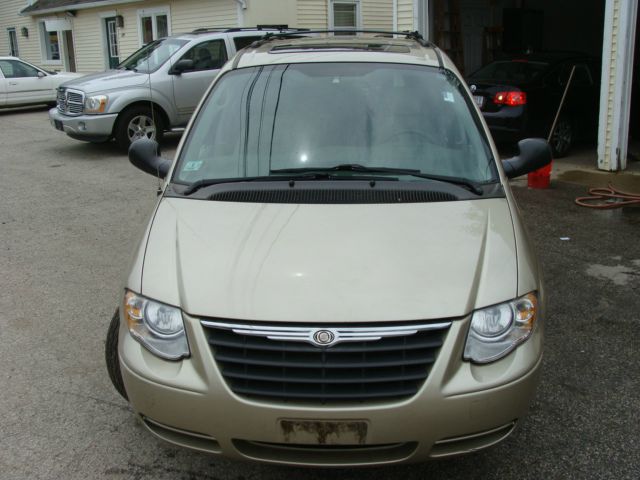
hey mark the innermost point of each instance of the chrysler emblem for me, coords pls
(323, 338)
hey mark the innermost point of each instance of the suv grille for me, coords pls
(366, 364)
(70, 102)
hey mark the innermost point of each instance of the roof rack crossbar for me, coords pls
(409, 35)
(258, 28)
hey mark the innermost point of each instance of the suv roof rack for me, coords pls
(409, 35)
(257, 28)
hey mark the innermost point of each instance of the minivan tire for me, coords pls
(138, 117)
(111, 355)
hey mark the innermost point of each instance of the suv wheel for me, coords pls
(138, 122)
(111, 355)
(562, 138)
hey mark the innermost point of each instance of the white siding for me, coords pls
(377, 14)
(187, 15)
(405, 15)
(29, 47)
(88, 28)
(312, 14)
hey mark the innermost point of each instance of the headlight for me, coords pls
(95, 104)
(497, 330)
(157, 326)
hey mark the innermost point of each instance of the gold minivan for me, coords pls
(336, 272)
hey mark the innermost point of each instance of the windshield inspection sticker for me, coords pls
(192, 166)
(448, 97)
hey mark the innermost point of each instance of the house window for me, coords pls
(153, 24)
(345, 15)
(50, 44)
(13, 42)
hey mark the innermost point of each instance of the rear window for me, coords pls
(511, 71)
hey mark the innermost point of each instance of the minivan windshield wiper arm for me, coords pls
(471, 185)
(354, 167)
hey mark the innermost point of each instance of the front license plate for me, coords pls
(479, 99)
(58, 125)
(322, 432)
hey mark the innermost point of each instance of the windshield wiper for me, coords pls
(347, 167)
(207, 182)
(354, 167)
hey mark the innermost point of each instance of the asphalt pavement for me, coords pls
(71, 214)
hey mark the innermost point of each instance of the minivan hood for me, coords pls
(109, 80)
(330, 263)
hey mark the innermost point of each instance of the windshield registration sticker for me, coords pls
(448, 97)
(192, 166)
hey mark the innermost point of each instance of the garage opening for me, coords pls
(475, 33)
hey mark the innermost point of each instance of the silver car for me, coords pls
(154, 90)
(336, 272)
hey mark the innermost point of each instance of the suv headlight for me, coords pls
(497, 330)
(95, 104)
(157, 326)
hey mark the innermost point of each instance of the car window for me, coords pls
(581, 77)
(16, 69)
(152, 56)
(510, 71)
(209, 55)
(241, 42)
(322, 115)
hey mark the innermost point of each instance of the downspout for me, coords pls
(242, 5)
(395, 15)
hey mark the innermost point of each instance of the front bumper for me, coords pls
(460, 408)
(90, 128)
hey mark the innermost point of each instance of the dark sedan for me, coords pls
(519, 96)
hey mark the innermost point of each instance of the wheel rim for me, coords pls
(141, 126)
(561, 138)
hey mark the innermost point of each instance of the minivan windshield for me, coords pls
(152, 56)
(261, 121)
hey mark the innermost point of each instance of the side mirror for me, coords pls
(534, 153)
(182, 66)
(144, 154)
(41, 75)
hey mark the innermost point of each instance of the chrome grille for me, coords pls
(281, 363)
(70, 102)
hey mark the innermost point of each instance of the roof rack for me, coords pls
(257, 28)
(409, 35)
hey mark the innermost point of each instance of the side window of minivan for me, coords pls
(209, 55)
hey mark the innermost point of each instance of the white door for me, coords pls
(189, 86)
(25, 83)
(3, 89)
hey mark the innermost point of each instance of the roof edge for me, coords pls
(80, 6)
